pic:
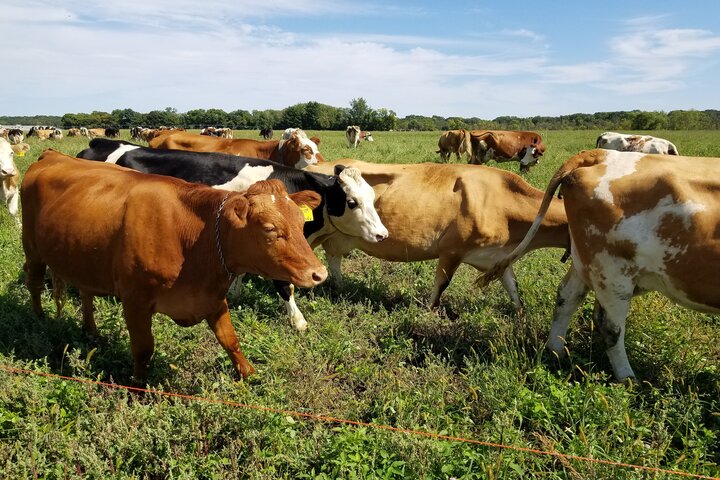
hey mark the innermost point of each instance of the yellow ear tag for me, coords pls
(307, 213)
(21, 153)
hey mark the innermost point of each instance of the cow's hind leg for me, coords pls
(286, 291)
(35, 282)
(222, 327)
(446, 268)
(510, 284)
(570, 294)
(87, 313)
(610, 316)
(138, 319)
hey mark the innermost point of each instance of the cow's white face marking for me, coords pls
(362, 220)
(617, 165)
(272, 197)
(246, 177)
(122, 150)
(7, 164)
(529, 158)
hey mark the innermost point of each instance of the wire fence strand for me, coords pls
(329, 419)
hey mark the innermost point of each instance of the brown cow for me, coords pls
(453, 212)
(454, 141)
(638, 222)
(95, 132)
(298, 151)
(506, 146)
(73, 132)
(160, 244)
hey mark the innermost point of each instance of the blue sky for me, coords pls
(474, 58)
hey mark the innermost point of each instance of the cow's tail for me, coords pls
(58, 293)
(583, 159)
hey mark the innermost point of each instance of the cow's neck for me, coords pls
(269, 151)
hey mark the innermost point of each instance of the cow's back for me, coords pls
(88, 211)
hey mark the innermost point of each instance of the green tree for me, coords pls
(360, 113)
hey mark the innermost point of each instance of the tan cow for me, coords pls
(453, 212)
(158, 243)
(298, 151)
(95, 132)
(638, 222)
(506, 146)
(10, 178)
(454, 141)
(74, 132)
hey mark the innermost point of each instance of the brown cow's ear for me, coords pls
(239, 212)
(306, 197)
(315, 140)
(272, 186)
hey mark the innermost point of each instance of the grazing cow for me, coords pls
(352, 135)
(506, 146)
(367, 136)
(454, 141)
(453, 212)
(346, 205)
(135, 133)
(74, 132)
(15, 136)
(638, 222)
(266, 133)
(298, 151)
(96, 132)
(84, 132)
(635, 143)
(158, 243)
(112, 132)
(42, 133)
(10, 178)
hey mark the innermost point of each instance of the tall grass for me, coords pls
(373, 353)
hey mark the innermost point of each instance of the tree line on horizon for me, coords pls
(318, 116)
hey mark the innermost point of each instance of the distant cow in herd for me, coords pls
(266, 133)
(506, 146)
(10, 178)
(635, 143)
(454, 141)
(353, 135)
(159, 244)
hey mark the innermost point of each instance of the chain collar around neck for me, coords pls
(217, 236)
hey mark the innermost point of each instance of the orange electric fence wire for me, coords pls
(324, 418)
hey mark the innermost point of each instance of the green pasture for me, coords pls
(372, 353)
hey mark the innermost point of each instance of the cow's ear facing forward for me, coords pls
(306, 197)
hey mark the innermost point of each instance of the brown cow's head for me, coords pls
(299, 151)
(265, 234)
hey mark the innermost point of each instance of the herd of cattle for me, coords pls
(168, 227)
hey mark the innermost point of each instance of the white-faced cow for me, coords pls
(453, 212)
(635, 143)
(638, 222)
(159, 244)
(346, 198)
(10, 178)
(506, 146)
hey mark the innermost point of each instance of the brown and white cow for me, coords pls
(454, 141)
(10, 178)
(638, 222)
(15, 136)
(453, 212)
(74, 132)
(506, 146)
(298, 151)
(352, 135)
(158, 243)
(623, 142)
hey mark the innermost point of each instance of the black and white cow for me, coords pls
(347, 203)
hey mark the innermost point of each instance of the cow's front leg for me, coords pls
(570, 295)
(286, 290)
(222, 327)
(138, 318)
(446, 268)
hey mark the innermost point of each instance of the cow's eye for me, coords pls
(351, 203)
(268, 227)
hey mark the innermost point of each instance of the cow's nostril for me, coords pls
(318, 277)
(379, 237)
